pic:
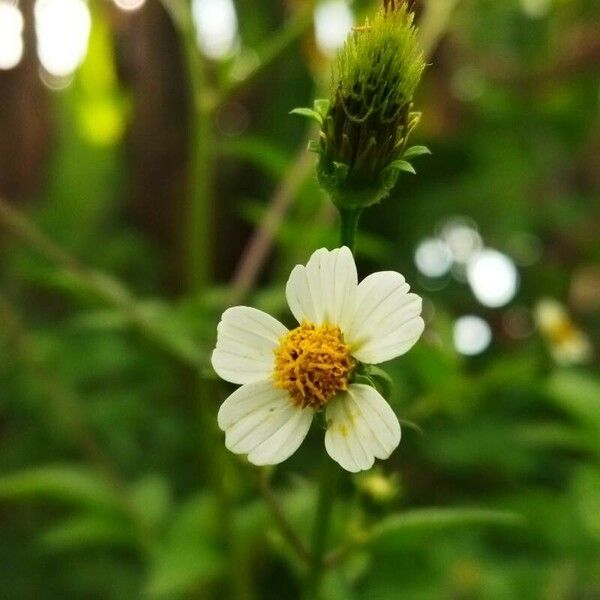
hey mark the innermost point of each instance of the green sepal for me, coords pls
(402, 165)
(375, 377)
(314, 146)
(383, 382)
(308, 112)
(411, 425)
(389, 178)
(341, 171)
(321, 106)
(416, 151)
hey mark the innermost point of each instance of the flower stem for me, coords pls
(329, 472)
(348, 226)
(327, 486)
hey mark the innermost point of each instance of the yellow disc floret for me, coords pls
(312, 363)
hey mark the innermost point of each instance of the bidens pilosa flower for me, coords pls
(288, 376)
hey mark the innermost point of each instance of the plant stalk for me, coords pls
(329, 471)
(349, 218)
(327, 487)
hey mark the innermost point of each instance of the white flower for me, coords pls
(287, 376)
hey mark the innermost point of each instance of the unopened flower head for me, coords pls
(287, 376)
(368, 118)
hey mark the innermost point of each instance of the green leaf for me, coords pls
(308, 112)
(67, 484)
(187, 557)
(151, 498)
(578, 394)
(181, 568)
(416, 151)
(427, 520)
(402, 165)
(89, 530)
(261, 152)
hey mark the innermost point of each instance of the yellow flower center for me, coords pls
(313, 364)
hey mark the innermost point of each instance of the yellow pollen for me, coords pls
(312, 363)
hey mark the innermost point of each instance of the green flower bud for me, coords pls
(366, 122)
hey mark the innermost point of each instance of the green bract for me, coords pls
(366, 122)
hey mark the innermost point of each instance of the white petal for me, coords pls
(246, 341)
(387, 320)
(324, 291)
(262, 421)
(361, 426)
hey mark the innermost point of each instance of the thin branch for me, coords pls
(281, 521)
(105, 287)
(259, 246)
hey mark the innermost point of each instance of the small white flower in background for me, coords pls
(288, 376)
(567, 343)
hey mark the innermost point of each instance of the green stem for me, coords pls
(329, 471)
(199, 209)
(197, 257)
(349, 218)
(327, 487)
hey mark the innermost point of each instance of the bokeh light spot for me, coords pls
(216, 27)
(462, 237)
(129, 5)
(536, 9)
(433, 257)
(11, 36)
(472, 335)
(333, 21)
(493, 278)
(62, 29)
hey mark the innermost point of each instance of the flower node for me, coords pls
(312, 363)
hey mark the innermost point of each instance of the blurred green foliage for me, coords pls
(106, 442)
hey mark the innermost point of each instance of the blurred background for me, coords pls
(150, 176)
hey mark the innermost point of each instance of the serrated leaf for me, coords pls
(402, 165)
(309, 113)
(71, 485)
(416, 151)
